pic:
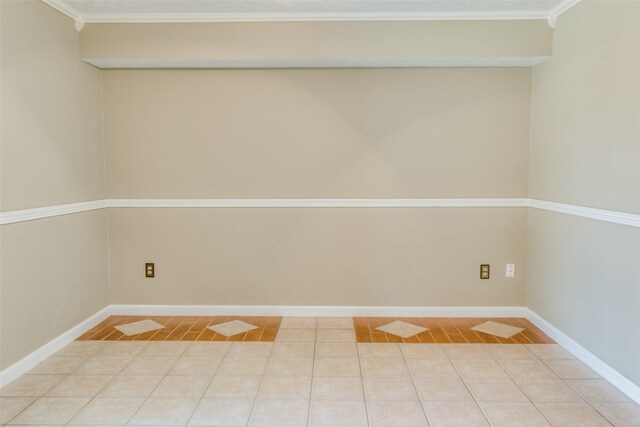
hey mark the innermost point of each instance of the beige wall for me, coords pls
(584, 275)
(344, 133)
(307, 43)
(317, 133)
(54, 271)
(360, 257)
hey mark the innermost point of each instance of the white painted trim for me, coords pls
(606, 371)
(310, 17)
(61, 6)
(319, 311)
(622, 218)
(28, 362)
(559, 10)
(433, 62)
(616, 217)
(50, 211)
(313, 203)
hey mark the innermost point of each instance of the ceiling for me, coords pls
(287, 10)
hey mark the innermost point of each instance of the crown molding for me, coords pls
(81, 19)
(315, 16)
(559, 10)
(61, 6)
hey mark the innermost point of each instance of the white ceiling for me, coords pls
(281, 10)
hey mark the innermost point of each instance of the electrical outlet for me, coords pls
(484, 271)
(511, 271)
(149, 269)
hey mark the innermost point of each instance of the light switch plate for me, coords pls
(511, 271)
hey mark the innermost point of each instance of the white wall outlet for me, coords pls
(511, 270)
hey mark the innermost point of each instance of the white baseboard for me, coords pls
(607, 372)
(320, 311)
(28, 362)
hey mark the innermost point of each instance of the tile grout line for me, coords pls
(364, 395)
(156, 386)
(424, 412)
(195, 409)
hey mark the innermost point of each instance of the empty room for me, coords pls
(320, 213)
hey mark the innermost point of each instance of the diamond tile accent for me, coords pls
(498, 329)
(140, 327)
(402, 329)
(232, 328)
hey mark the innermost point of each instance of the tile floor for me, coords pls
(438, 330)
(315, 374)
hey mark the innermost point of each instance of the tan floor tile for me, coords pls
(337, 413)
(290, 366)
(139, 327)
(285, 388)
(348, 388)
(30, 385)
(550, 351)
(481, 368)
(233, 327)
(391, 413)
(465, 351)
(431, 368)
(222, 412)
(51, 410)
(299, 323)
(336, 367)
(511, 351)
(163, 411)
(279, 412)
(334, 349)
(103, 365)
(296, 335)
(384, 368)
(621, 414)
(495, 390)
(336, 335)
(206, 366)
(335, 323)
(389, 389)
(497, 329)
(513, 414)
(126, 385)
(379, 351)
(234, 386)
(401, 329)
(182, 386)
(571, 414)
(12, 406)
(238, 366)
(82, 349)
(80, 386)
(571, 369)
(547, 390)
(597, 390)
(441, 389)
(108, 410)
(120, 349)
(454, 414)
(165, 349)
(58, 365)
(527, 369)
(213, 349)
(422, 351)
(293, 349)
(150, 365)
(250, 349)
